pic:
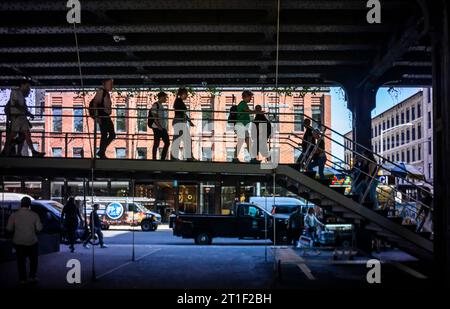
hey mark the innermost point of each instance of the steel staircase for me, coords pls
(353, 212)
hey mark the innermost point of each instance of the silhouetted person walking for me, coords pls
(96, 228)
(261, 122)
(181, 128)
(241, 128)
(17, 110)
(25, 224)
(157, 121)
(103, 109)
(307, 143)
(70, 216)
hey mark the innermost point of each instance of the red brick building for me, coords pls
(69, 134)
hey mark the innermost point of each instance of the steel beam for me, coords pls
(181, 47)
(194, 63)
(163, 76)
(47, 5)
(194, 28)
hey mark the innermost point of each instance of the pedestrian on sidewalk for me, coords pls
(25, 224)
(96, 228)
(311, 223)
(70, 217)
(295, 225)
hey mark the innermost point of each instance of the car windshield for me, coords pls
(137, 208)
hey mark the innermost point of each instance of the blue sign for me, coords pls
(114, 211)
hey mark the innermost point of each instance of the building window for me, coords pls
(78, 119)
(403, 156)
(430, 147)
(407, 136)
(77, 152)
(298, 118)
(388, 124)
(419, 111)
(413, 133)
(384, 144)
(407, 156)
(384, 125)
(141, 153)
(57, 119)
(316, 115)
(121, 153)
(403, 118)
(57, 152)
(407, 115)
(379, 129)
(419, 152)
(230, 154)
(207, 120)
(430, 169)
(396, 120)
(398, 157)
(403, 138)
(388, 143)
(207, 154)
(413, 113)
(141, 120)
(121, 119)
(393, 141)
(429, 120)
(414, 154)
(419, 131)
(398, 140)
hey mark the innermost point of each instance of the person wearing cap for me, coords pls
(319, 157)
(242, 121)
(159, 126)
(103, 106)
(17, 111)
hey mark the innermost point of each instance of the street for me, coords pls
(162, 260)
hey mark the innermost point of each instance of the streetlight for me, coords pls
(408, 124)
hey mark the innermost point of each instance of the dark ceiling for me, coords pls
(217, 42)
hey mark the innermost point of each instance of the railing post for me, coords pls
(66, 144)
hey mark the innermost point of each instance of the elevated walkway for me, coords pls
(299, 183)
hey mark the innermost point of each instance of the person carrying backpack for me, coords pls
(242, 120)
(158, 123)
(17, 112)
(100, 108)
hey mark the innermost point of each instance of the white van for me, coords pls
(122, 211)
(279, 205)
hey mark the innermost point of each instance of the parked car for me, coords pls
(246, 220)
(50, 217)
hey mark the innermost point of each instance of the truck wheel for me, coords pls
(203, 239)
(146, 226)
(283, 239)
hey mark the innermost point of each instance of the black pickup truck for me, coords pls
(245, 221)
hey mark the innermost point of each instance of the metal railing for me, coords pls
(293, 139)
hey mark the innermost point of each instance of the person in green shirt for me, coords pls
(242, 120)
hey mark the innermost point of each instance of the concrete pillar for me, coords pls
(440, 10)
(361, 101)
